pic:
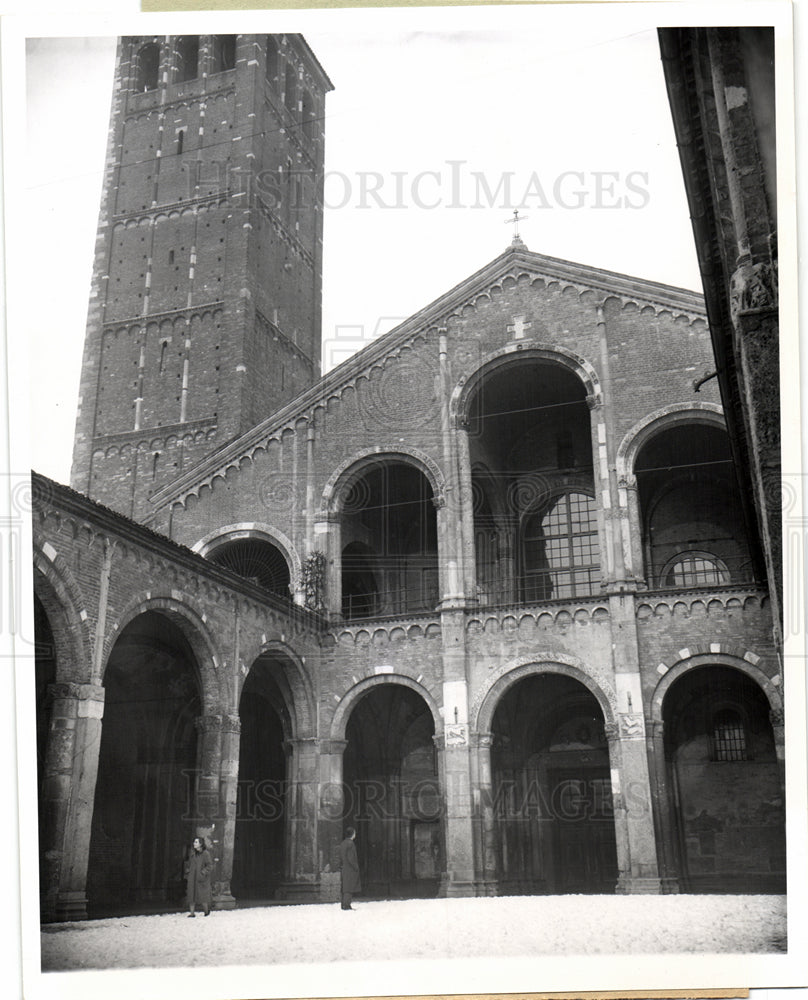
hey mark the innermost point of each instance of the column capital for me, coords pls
(209, 723)
(483, 741)
(231, 723)
(62, 690)
(333, 747)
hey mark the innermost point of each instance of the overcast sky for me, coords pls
(433, 136)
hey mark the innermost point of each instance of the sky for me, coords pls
(434, 136)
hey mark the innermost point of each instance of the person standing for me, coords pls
(198, 869)
(349, 866)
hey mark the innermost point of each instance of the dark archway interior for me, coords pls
(44, 677)
(390, 543)
(142, 819)
(692, 518)
(552, 789)
(261, 809)
(257, 560)
(725, 783)
(392, 796)
(532, 483)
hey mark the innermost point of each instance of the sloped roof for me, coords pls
(516, 260)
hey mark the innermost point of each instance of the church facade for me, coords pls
(485, 592)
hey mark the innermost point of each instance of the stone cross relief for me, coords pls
(518, 327)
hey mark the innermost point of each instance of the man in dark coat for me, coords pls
(349, 866)
(198, 870)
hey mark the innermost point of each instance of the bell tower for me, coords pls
(205, 307)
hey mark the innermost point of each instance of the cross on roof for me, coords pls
(517, 218)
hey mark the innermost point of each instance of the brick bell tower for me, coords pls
(205, 307)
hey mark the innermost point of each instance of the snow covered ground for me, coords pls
(424, 929)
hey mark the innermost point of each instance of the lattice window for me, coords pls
(695, 569)
(560, 551)
(729, 736)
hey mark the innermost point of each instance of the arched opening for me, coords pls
(224, 53)
(146, 769)
(307, 115)
(256, 560)
(44, 677)
(692, 521)
(724, 783)
(290, 89)
(261, 807)
(272, 60)
(552, 789)
(390, 543)
(392, 796)
(186, 66)
(148, 67)
(535, 519)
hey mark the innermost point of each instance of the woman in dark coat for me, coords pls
(198, 869)
(349, 866)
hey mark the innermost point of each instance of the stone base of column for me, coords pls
(224, 901)
(304, 892)
(637, 885)
(71, 906)
(486, 887)
(452, 888)
(670, 885)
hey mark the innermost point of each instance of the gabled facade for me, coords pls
(516, 630)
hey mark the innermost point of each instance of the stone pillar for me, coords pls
(485, 863)
(210, 819)
(68, 795)
(663, 808)
(228, 799)
(328, 539)
(331, 807)
(301, 860)
(462, 504)
(777, 719)
(631, 529)
(638, 871)
(454, 760)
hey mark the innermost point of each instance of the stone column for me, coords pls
(331, 808)
(228, 798)
(777, 719)
(638, 871)
(68, 795)
(301, 860)
(454, 761)
(328, 539)
(631, 528)
(663, 808)
(462, 503)
(485, 862)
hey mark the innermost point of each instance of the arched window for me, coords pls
(272, 59)
(290, 90)
(559, 549)
(729, 735)
(224, 53)
(695, 569)
(187, 64)
(256, 560)
(148, 67)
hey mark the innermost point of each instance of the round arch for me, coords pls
(482, 714)
(351, 469)
(192, 625)
(674, 415)
(516, 354)
(60, 597)
(257, 530)
(352, 697)
(710, 660)
(294, 684)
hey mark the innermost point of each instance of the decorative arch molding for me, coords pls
(484, 706)
(294, 683)
(747, 664)
(253, 529)
(350, 470)
(350, 699)
(517, 353)
(192, 622)
(60, 596)
(674, 415)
